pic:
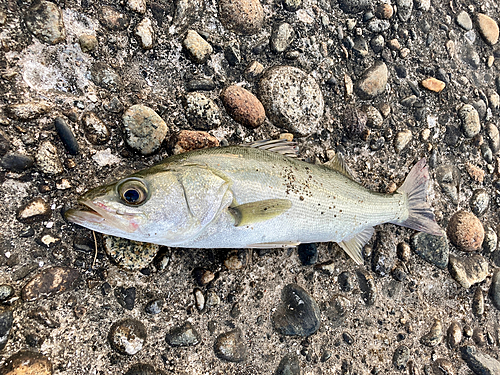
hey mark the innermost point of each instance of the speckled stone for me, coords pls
(128, 254)
(432, 249)
(6, 291)
(293, 99)
(27, 363)
(354, 122)
(402, 139)
(479, 201)
(468, 271)
(138, 6)
(188, 140)
(480, 363)
(230, 346)
(475, 172)
(373, 81)
(477, 304)
(95, 129)
(454, 335)
(6, 319)
(448, 177)
(201, 111)
(490, 241)
(488, 28)
(50, 281)
(292, 5)
(144, 33)
(465, 231)
(144, 129)
(197, 48)
(405, 8)
(355, 6)
(127, 336)
(112, 19)
(471, 124)
(493, 137)
(434, 336)
(44, 19)
(27, 111)
(442, 366)
(464, 20)
(154, 307)
(368, 286)
(47, 159)
(241, 16)
(281, 37)
(35, 210)
(88, 43)
(401, 357)
(105, 76)
(185, 335)
(243, 106)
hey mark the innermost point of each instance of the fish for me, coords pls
(252, 196)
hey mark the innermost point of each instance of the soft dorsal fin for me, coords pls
(338, 164)
(354, 246)
(281, 146)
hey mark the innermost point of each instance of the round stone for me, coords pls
(87, 42)
(188, 140)
(367, 286)
(402, 139)
(464, 20)
(384, 11)
(127, 336)
(185, 335)
(434, 336)
(454, 335)
(490, 240)
(432, 249)
(26, 363)
(230, 346)
(338, 310)
(129, 254)
(355, 6)
(443, 366)
(493, 137)
(241, 16)
(479, 201)
(154, 307)
(488, 28)
(281, 37)
(201, 111)
(44, 19)
(374, 118)
(126, 296)
(308, 253)
(197, 48)
(289, 365)
(465, 231)
(95, 129)
(401, 357)
(292, 99)
(6, 291)
(471, 124)
(373, 81)
(112, 19)
(144, 129)
(243, 106)
(105, 76)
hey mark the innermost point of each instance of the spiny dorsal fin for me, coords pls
(354, 246)
(254, 212)
(281, 146)
(338, 164)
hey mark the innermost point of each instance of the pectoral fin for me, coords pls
(254, 212)
(354, 246)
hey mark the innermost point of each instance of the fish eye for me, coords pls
(133, 192)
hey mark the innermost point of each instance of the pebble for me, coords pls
(45, 21)
(154, 307)
(338, 310)
(114, 105)
(478, 362)
(232, 53)
(203, 276)
(490, 240)
(26, 363)
(67, 136)
(298, 314)
(464, 20)
(127, 336)
(289, 365)
(281, 37)
(454, 335)
(434, 336)
(197, 48)
(465, 231)
(138, 6)
(51, 281)
(212, 299)
(105, 76)
(433, 84)
(493, 137)
(488, 28)
(384, 11)
(448, 177)
(476, 173)
(377, 43)
(143, 369)
(308, 254)
(401, 357)
(200, 84)
(243, 106)
(373, 81)
(292, 99)
(241, 16)
(402, 140)
(292, 5)
(468, 271)
(367, 285)
(6, 291)
(144, 129)
(185, 335)
(355, 6)
(33, 211)
(346, 281)
(27, 111)
(354, 122)
(478, 302)
(230, 346)
(44, 317)
(131, 255)
(188, 140)
(479, 202)
(88, 42)
(237, 259)
(378, 26)
(432, 249)
(494, 292)
(47, 158)
(201, 111)
(125, 297)
(442, 366)
(4, 143)
(254, 70)
(374, 118)
(144, 33)
(469, 116)
(405, 8)
(199, 299)
(112, 19)
(96, 131)
(6, 319)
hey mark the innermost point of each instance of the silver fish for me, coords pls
(249, 197)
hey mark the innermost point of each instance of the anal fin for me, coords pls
(354, 246)
(254, 212)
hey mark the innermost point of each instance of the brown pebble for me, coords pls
(26, 363)
(287, 137)
(188, 140)
(49, 282)
(243, 106)
(476, 173)
(241, 16)
(394, 45)
(433, 84)
(384, 11)
(454, 335)
(488, 28)
(237, 259)
(465, 231)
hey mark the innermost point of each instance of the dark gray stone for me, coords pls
(143, 369)
(230, 346)
(308, 253)
(494, 292)
(125, 297)
(480, 363)
(154, 307)
(289, 365)
(432, 249)
(66, 135)
(368, 287)
(6, 319)
(17, 162)
(185, 335)
(355, 6)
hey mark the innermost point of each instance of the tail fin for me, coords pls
(420, 215)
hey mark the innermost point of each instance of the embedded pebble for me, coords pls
(112, 19)
(127, 336)
(493, 137)
(478, 337)
(132, 255)
(479, 201)
(44, 19)
(47, 158)
(292, 5)
(138, 6)
(241, 16)
(243, 106)
(464, 20)
(454, 335)
(402, 139)
(281, 37)
(434, 336)
(201, 111)
(355, 6)
(230, 346)
(198, 48)
(401, 357)
(338, 310)
(185, 335)
(154, 307)
(354, 121)
(488, 28)
(50, 281)
(368, 287)
(405, 8)
(308, 253)
(378, 26)
(232, 53)
(478, 302)
(201, 84)
(254, 70)
(105, 76)
(6, 291)
(468, 271)
(237, 259)
(384, 11)
(27, 111)
(465, 231)
(144, 129)
(144, 33)
(494, 292)
(35, 210)
(374, 118)
(373, 81)
(27, 363)
(432, 249)
(476, 173)
(292, 99)
(203, 276)
(479, 362)
(433, 84)
(143, 369)
(125, 297)
(298, 314)
(6, 319)
(469, 116)
(448, 177)
(289, 365)
(188, 140)
(67, 136)
(17, 162)
(490, 240)
(96, 131)
(442, 366)
(346, 281)
(88, 42)
(199, 299)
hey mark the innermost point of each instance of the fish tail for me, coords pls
(420, 215)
